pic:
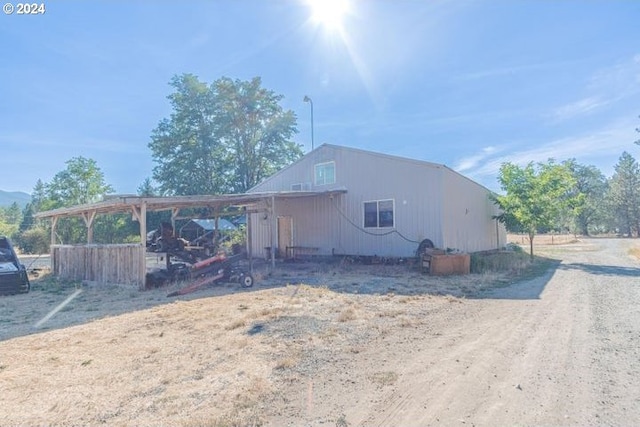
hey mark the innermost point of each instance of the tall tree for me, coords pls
(27, 217)
(147, 189)
(624, 194)
(186, 147)
(39, 196)
(13, 214)
(256, 132)
(589, 194)
(10, 218)
(534, 196)
(221, 138)
(81, 182)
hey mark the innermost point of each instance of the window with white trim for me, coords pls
(325, 173)
(379, 214)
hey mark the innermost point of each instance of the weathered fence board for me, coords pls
(114, 264)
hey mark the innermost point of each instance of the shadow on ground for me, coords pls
(605, 270)
(528, 285)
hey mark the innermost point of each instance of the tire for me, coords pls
(246, 280)
(181, 275)
(426, 243)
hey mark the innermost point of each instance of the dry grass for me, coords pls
(347, 315)
(407, 322)
(286, 363)
(635, 252)
(542, 239)
(394, 312)
(385, 378)
(271, 313)
(238, 323)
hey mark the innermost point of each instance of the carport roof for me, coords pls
(125, 203)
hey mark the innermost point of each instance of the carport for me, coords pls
(126, 263)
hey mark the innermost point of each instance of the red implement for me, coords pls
(196, 285)
(207, 262)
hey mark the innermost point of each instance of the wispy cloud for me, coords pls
(605, 87)
(471, 162)
(592, 148)
(619, 79)
(578, 108)
(505, 71)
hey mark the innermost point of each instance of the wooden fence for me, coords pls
(114, 264)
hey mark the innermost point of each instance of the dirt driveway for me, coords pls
(386, 349)
(569, 357)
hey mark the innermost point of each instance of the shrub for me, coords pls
(514, 247)
(495, 262)
(34, 241)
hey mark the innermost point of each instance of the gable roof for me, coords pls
(367, 153)
(342, 148)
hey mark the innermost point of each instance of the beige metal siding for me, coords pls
(425, 196)
(467, 216)
(413, 186)
(312, 224)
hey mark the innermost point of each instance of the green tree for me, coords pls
(256, 132)
(27, 217)
(186, 147)
(25, 237)
(35, 240)
(534, 196)
(589, 194)
(39, 196)
(624, 195)
(115, 228)
(147, 189)
(13, 214)
(10, 218)
(80, 182)
(221, 138)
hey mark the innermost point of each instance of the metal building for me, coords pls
(373, 204)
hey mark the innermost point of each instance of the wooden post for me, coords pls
(273, 230)
(52, 261)
(247, 215)
(88, 221)
(54, 222)
(216, 232)
(174, 214)
(141, 215)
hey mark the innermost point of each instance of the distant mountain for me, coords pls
(8, 197)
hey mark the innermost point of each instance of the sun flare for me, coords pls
(328, 13)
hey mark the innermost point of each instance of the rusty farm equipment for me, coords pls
(219, 268)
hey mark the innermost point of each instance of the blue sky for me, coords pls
(466, 83)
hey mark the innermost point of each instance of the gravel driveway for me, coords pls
(569, 357)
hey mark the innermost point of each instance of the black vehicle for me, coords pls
(13, 275)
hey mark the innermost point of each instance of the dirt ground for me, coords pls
(335, 344)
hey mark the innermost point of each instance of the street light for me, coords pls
(307, 99)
